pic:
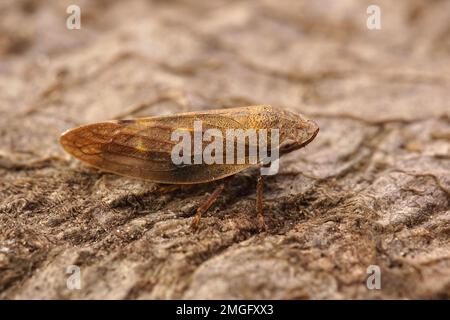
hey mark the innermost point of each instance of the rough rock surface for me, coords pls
(372, 189)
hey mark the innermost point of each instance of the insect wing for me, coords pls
(141, 148)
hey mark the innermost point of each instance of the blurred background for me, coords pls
(150, 57)
(372, 189)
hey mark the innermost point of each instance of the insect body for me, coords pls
(144, 148)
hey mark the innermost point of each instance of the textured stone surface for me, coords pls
(372, 189)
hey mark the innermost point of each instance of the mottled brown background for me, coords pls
(373, 188)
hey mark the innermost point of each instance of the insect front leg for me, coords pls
(205, 206)
(259, 203)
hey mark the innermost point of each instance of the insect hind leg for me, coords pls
(205, 206)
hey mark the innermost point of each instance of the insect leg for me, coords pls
(259, 203)
(164, 188)
(169, 188)
(205, 206)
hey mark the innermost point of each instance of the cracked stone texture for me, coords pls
(372, 189)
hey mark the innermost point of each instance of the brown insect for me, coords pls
(142, 148)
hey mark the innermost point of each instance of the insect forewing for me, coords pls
(142, 148)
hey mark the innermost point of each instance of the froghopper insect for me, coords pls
(143, 148)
